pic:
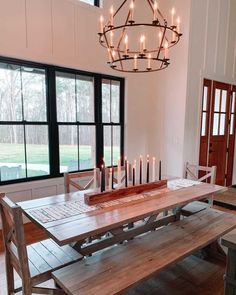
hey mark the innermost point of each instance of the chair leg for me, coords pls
(26, 290)
(9, 275)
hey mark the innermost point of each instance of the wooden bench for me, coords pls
(119, 268)
(229, 241)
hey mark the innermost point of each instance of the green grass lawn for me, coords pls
(38, 154)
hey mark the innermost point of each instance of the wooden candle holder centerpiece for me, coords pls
(96, 198)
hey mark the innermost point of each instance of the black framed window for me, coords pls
(24, 143)
(76, 121)
(92, 2)
(54, 120)
(111, 120)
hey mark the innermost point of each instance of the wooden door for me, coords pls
(231, 140)
(219, 129)
(218, 126)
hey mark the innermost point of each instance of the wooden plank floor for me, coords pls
(227, 198)
(189, 277)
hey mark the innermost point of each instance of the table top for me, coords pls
(99, 219)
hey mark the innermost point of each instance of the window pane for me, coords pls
(91, 2)
(215, 124)
(107, 145)
(34, 94)
(87, 147)
(85, 99)
(10, 93)
(217, 100)
(106, 101)
(65, 91)
(12, 152)
(222, 124)
(232, 125)
(203, 132)
(116, 144)
(37, 150)
(68, 140)
(233, 103)
(223, 101)
(115, 102)
(205, 93)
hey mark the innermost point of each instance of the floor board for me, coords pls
(226, 199)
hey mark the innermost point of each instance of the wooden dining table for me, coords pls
(67, 219)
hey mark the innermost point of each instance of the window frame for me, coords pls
(95, 3)
(51, 104)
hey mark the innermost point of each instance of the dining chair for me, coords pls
(201, 174)
(82, 180)
(115, 176)
(33, 263)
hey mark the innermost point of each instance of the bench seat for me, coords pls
(194, 207)
(116, 269)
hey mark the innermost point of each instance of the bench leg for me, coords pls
(213, 250)
(230, 276)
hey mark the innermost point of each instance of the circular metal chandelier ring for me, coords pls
(103, 36)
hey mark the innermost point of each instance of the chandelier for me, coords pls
(135, 46)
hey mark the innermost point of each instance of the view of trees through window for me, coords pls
(24, 127)
(87, 128)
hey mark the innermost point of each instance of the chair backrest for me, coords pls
(115, 176)
(14, 237)
(201, 173)
(82, 180)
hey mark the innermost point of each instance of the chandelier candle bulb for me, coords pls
(132, 11)
(126, 44)
(109, 55)
(178, 24)
(155, 6)
(141, 44)
(153, 169)
(111, 39)
(172, 16)
(101, 24)
(149, 60)
(135, 63)
(112, 16)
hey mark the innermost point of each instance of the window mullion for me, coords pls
(23, 120)
(53, 127)
(98, 119)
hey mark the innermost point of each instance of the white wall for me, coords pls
(169, 101)
(212, 55)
